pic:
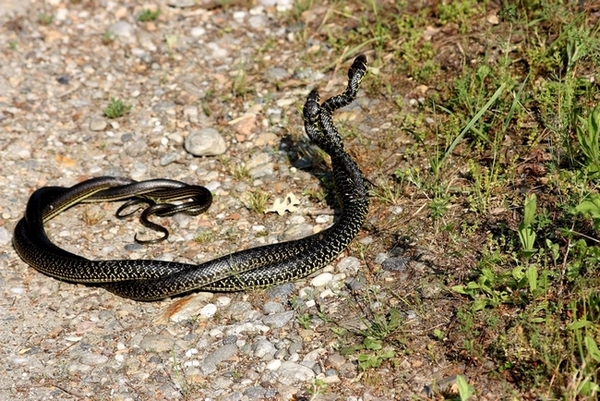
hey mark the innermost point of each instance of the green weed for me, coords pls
(372, 351)
(257, 201)
(108, 37)
(45, 19)
(465, 390)
(588, 134)
(304, 320)
(116, 108)
(148, 15)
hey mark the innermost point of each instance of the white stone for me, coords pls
(321, 279)
(208, 310)
(274, 364)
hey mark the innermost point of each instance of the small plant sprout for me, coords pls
(148, 15)
(526, 233)
(588, 135)
(116, 108)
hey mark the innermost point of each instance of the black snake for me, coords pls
(256, 267)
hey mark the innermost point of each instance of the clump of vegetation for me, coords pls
(257, 201)
(116, 108)
(148, 15)
(45, 19)
(108, 37)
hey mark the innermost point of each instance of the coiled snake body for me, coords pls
(149, 280)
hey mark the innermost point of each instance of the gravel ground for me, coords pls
(233, 78)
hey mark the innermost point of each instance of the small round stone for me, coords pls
(205, 142)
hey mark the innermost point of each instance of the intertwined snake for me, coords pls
(267, 265)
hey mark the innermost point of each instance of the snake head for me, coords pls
(312, 109)
(358, 67)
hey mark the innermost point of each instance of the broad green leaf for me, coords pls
(532, 276)
(479, 304)
(580, 324)
(592, 348)
(529, 210)
(465, 390)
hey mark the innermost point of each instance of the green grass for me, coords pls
(116, 108)
(512, 161)
(108, 37)
(148, 15)
(257, 201)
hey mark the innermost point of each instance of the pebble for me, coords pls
(281, 354)
(208, 310)
(381, 257)
(297, 232)
(136, 148)
(323, 219)
(335, 360)
(321, 280)
(197, 32)
(260, 166)
(258, 21)
(123, 30)
(274, 364)
(282, 291)
(229, 340)
(255, 393)
(157, 343)
(291, 372)
(15, 7)
(277, 74)
(272, 307)
(247, 327)
(168, 159)
(356, 284)
(18, 150)
(258, 160)
(167, 107)
(278, 319)
(295, 347)
(182, 3)
(349, 264)
(223, 301)
(266, 139)
(397, 210)
(98, 124)
(264, 349)
(209, 363)
(205, 142)
(280, 5)
(191, 114)
(397, 264)
(440, 385)
(89, 358)
(240, 310)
